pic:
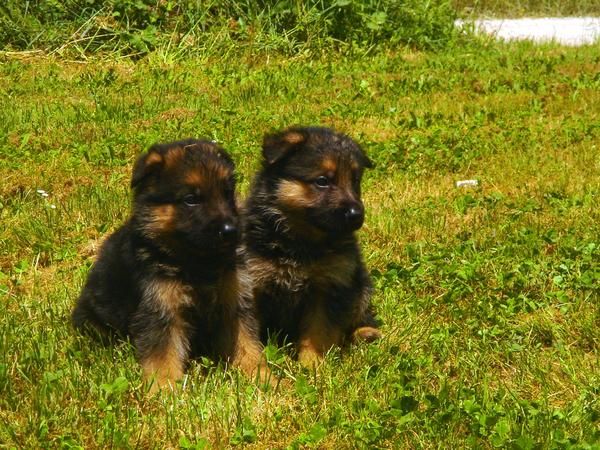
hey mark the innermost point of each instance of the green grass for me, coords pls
(489, 296)
(137, 27)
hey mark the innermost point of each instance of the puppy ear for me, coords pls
(276, 146)
(364, 160)
(146, 164)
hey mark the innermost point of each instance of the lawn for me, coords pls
(488, 295)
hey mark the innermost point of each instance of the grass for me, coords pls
(489, 296)
(135, 28)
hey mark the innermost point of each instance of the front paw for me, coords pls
(366, 334)
(161, 378)
(257, 370)
(309, 357)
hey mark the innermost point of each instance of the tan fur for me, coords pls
(153, 158)
(293, 137)
(174, 156)
(167, 364)
(294, 194)
(163, 219)
(247, 353)
(329, 271)
(333, 269)
(229, 290)
(222, 172)
(318, 337)
(289, 276)
(294, 197)
(329, 165)
(194, 177)
(366, 334)
(171, 293)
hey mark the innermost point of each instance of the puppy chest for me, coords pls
(299, 279)
(173, 296)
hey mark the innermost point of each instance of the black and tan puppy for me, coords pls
(309, 282)
(168, 278)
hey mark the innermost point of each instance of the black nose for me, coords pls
(228, 231)
(354, 216)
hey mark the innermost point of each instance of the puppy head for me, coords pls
(184, 197)
(315, 176)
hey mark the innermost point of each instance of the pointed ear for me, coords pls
(276, 146)
(146, 164)
(365, 161)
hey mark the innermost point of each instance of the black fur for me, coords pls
(299, 243)
(180, 235)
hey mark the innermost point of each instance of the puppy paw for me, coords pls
(309, 357)
(261, 374)
(158, 385)
(366, 334)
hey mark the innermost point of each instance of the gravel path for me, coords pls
(573, 31)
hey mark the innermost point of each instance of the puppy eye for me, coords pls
(322, 182)
(192, 200)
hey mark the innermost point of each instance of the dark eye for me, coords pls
(322, 182)
(192, 200)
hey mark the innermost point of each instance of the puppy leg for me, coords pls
(317, 337)
(248, 353)
(162, 342)
(365, 329)
(241, 345)
(163, 361)
(238, 344)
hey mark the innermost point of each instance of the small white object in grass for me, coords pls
(41, 192)
(52, 206)
(463, 183)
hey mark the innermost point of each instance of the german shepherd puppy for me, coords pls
(310, 284)
(168, 278)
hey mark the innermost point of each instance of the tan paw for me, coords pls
(309, 357)
(366, 334)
